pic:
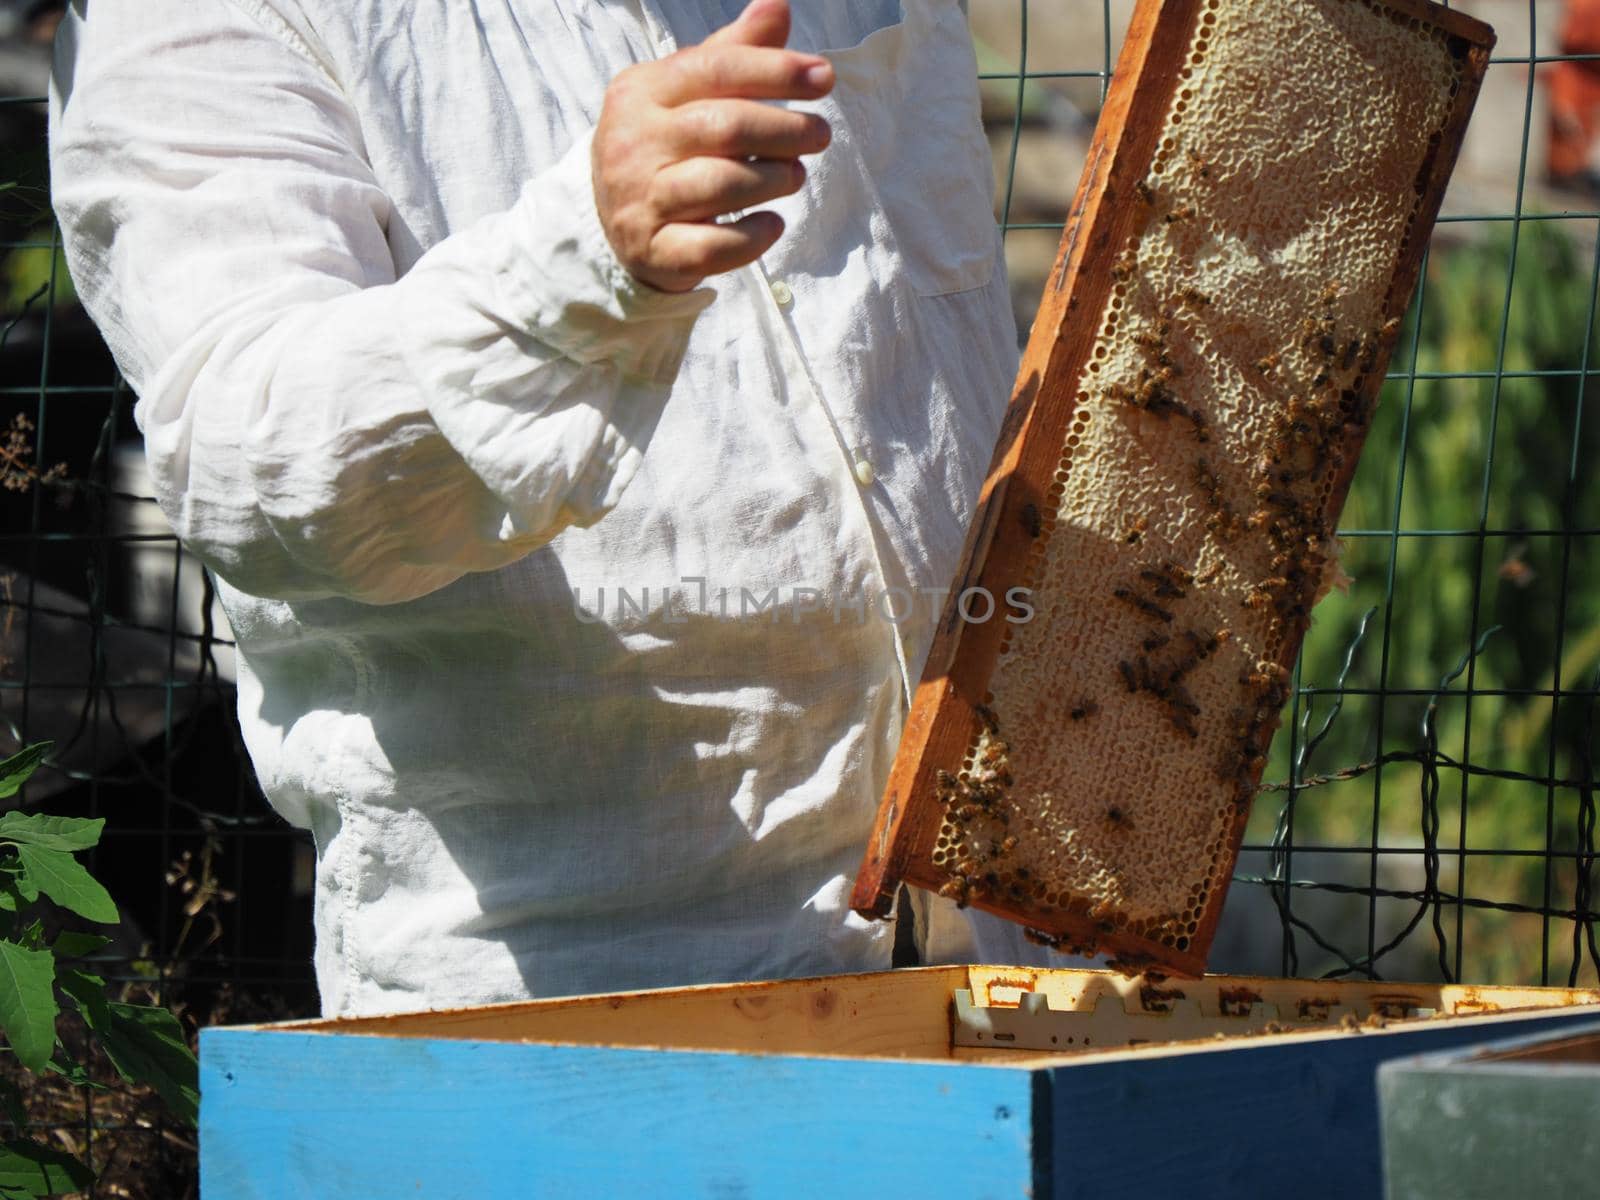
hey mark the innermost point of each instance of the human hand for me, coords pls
(686, 139)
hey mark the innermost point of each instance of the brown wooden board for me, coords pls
(1186, 421)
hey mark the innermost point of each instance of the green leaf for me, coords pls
(88, 993)
(16, 892)
(147, 1045)
(32, 1169)
(15, 770)
(72, 944)
(51, 833)
(74, 1073)
(63, 878)
(28, 1003)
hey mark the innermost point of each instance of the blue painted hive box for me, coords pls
(964, 1082)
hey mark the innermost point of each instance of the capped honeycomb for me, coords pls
(1197, 391)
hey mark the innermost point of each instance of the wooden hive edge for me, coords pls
(944, 718)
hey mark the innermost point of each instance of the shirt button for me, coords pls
(782, 293)
(864, 472)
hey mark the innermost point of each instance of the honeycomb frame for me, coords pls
(1186, 422)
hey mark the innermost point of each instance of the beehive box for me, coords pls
(1515, 1118)
(967, 1082)
(1187, 419)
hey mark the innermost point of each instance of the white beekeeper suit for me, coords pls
(562, 603)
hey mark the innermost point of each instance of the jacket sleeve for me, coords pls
(316, 426)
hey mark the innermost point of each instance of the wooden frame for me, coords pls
(946, 714)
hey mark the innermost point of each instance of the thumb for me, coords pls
(762, 23)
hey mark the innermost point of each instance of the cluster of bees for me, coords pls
(1306, 447)
(972, 804)
(1154, 389)
(1167, 659)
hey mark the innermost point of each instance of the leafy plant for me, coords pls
(40, 974)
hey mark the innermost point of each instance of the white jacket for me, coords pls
(499, 529)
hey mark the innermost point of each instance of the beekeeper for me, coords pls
(581, 405)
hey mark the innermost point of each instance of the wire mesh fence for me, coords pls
(1433, 806)
(1432, 810)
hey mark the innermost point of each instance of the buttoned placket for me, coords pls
(860, 475)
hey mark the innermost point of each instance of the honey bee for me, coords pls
(1200, 165)
(1145, 192)
(1176, 572)
(1391, 327)
(1268, 364)
(1148, 607)
(1272, 683)
(1193, 296)
(1128, 676)
(1008, 844)
(1181, 698)
(1117, 819)
(1140, 527)
(1031, 521)
(958, 890)
(1184, 212)
(1149, 341)
(1163, 585)
(1155, 642)
(1084, 711)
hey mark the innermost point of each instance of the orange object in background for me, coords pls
(1575, 95)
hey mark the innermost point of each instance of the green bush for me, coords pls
(146, 1045)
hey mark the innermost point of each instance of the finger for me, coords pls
(744, 129)
(700, 188)
(754, 72)
(699, 250)
(762, 23)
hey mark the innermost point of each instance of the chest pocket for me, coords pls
(909, 95)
